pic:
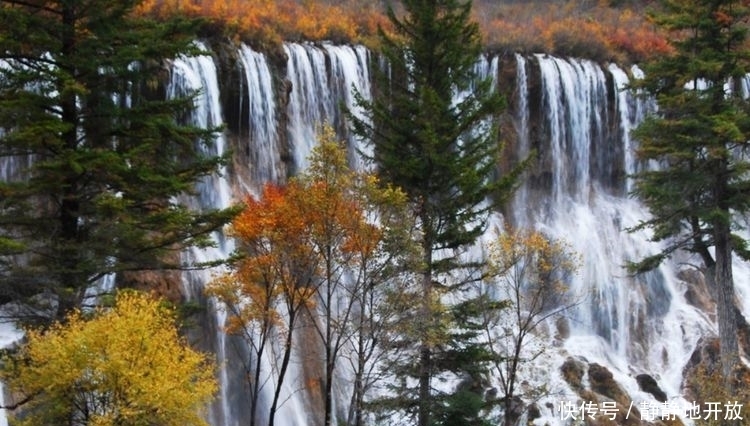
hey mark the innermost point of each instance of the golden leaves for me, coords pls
(568, 28)
(124, 365)
(530, 256)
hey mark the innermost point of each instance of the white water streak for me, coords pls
(263, 138)
(631, 325)
(190, 74)
(323, 78)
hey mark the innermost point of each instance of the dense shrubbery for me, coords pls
(578, 27)
(271, 21)
(574, 28)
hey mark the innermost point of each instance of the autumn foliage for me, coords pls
(573, 28)
(283, 235)
(529, 259)
(295, 245)
(278, 261)
(125, 365)
(577, 27)
(271, 21)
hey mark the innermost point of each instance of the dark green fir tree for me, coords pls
(96, 156)
(699, 137)
(442, 150)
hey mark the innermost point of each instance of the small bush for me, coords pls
(708, 390)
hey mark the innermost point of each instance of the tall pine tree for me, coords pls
(439, 149)
(700, 139)
(99, 157)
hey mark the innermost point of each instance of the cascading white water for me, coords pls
(199, 73)
(310, 101)
(349, 75)
(9, 336)
(263, 139)
(316, 98)
(322, 78)
(631, 325)
(190, 75)
(521, 123)
(11, 168)
(577, 112)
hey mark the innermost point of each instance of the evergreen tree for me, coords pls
(99, 157)
(440, 149)
(700, 138)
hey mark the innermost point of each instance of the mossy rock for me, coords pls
(573, 371)
(603, 383)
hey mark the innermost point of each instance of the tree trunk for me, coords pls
(69, 211)
(330, 360)
(358, 391)
(425, 351)
(329, 389)
(724, 283)
(284, 365)
(255, 388)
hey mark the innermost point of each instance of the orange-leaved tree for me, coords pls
(271, 21)
(269, 284)
(320, 246)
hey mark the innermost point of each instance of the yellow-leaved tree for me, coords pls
(124, 365)
(528, 272)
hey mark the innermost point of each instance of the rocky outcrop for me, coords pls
(647, 384)
(595, 385)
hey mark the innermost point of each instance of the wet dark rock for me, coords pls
(534, 412)
(563, 328)
(649, 385)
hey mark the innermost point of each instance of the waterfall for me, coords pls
(577, 113)
(191, 74)
(322, 79)
(9, 335)
(263, 141)
(631, 112)
(11, 168)
(631, 325)
(521, 127)
(573, 113)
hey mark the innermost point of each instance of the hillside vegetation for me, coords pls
(603, 30)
